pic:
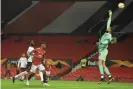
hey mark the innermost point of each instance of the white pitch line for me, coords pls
(89, 87)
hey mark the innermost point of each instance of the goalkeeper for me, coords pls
(103, 51)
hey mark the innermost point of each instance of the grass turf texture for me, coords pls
(36, 84)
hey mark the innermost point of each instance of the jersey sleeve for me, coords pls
(108, 22)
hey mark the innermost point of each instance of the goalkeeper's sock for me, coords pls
(107, 72)
(101, 71)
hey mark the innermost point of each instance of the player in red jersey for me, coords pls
(38, 62)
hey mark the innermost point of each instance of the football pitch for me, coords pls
(36, 84)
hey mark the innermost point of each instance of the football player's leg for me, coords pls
(106, 70)
(100, 64)
(22, 77)
(48, 74)
(31, 73)
(28, 67)
(101, 69)
(19, 75)
(41, 75)
(45, 78)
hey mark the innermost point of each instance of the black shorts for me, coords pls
(28, 67)
(23, 69)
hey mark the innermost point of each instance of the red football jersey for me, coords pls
(38, 56)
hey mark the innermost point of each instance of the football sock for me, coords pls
(41, 75)
(107, 71)
(101, 71)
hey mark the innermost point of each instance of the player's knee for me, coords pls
(99, 63)
(103, 64)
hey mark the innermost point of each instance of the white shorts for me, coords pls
(103, 54)
(37, 67)
(48, 73)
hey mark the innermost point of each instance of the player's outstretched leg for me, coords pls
(19, 75)
(101, 80)
(41, 76)
(45, 79)
(30, 76)
(13, 79)
(110, 80)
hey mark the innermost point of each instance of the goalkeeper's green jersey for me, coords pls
(104, 41)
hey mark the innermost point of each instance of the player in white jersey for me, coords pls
(103, 51)
(29, 64)
(22, 63)
(30, 49)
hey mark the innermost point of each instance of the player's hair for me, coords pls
(31, 42)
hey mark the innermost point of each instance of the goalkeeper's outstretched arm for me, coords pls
(109, 19)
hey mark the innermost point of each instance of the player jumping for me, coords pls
(103, 51)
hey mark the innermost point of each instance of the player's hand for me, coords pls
(114, 40)
(110, 12)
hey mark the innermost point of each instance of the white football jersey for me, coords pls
(22, 62)
(30, 49)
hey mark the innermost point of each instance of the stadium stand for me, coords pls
(58, 46)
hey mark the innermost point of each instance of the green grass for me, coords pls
(36, 84)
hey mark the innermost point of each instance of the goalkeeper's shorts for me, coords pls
(103, 54)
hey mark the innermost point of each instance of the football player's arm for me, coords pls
(19, 62)
(109, 19)
(26, 61)
(28, 52)
(114, 40)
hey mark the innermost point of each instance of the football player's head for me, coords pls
(43, 45)
(23, 55)
(31, 43)
(109, 30)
